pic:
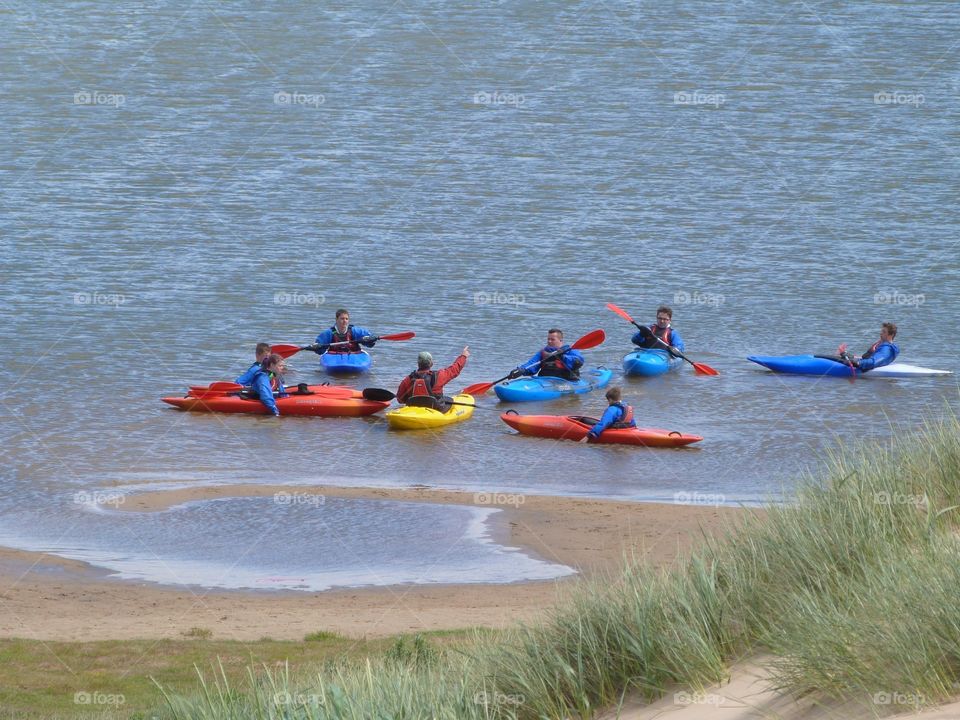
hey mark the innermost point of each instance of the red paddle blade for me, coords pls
(591, 339)
(620, 311)
(285, 351)
(477, 389)
(701, 369)
(399, 336)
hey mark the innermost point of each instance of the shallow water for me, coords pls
(179, 183)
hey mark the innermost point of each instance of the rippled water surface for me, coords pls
(181, 181)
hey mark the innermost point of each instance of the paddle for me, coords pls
(699, 368)
(591, 339)
(285, 350)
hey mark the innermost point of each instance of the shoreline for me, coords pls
(47, 597)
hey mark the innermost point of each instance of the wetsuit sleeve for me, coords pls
(883, 356)
(531, 366)
(610, 416)
(247, 377)
(449, 373)
(323, 342)
(403, 391)
(359, 332)
(638, 338)
(677, 341)
(265, 393)
(573, 359)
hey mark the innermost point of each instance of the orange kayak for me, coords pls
(574, 427)
(326, 401)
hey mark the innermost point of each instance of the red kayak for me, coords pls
(325, 401)
(574, 427)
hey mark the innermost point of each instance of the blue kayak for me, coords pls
(650, 362)
(345, 363)
(812, 365)
(551, 388)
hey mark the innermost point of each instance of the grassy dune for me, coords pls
(853, 588)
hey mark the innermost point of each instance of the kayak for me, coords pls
(326, 401)
(341, 363)
(811, 365)
(550, 388)
(574, 427)
(421, 418)
(649, 362)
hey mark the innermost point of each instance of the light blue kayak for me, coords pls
(649, 362)
(351, 363)
(550, 388)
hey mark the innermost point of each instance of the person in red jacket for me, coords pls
(424, 387)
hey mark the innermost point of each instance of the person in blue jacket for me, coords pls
(617, 415)
(262, 350)
(343, 332)
(883, 352)
(546, 363)
(661, 329)
(267, 381)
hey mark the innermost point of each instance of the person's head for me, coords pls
(614, 395)
(664, 316)
(554, 337)
(343, 319)
(424, 361)
(888, 331)
(263, 349)
(273, 363)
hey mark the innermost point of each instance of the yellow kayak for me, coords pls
(420, 418)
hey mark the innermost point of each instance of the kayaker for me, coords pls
(267, 381)
(554, 360)
(617, 415)
(262, 350)
(343, 331)
(663, 330)
(428, 383)
(883, 352)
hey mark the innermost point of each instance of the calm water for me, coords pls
(181, 182)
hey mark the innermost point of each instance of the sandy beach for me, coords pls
(50, 598)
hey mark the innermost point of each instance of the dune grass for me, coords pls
(853, 587)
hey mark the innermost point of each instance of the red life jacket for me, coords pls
(423, 382)
(666, 336)
(555, 364)
(626, 419)
(343, 337)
